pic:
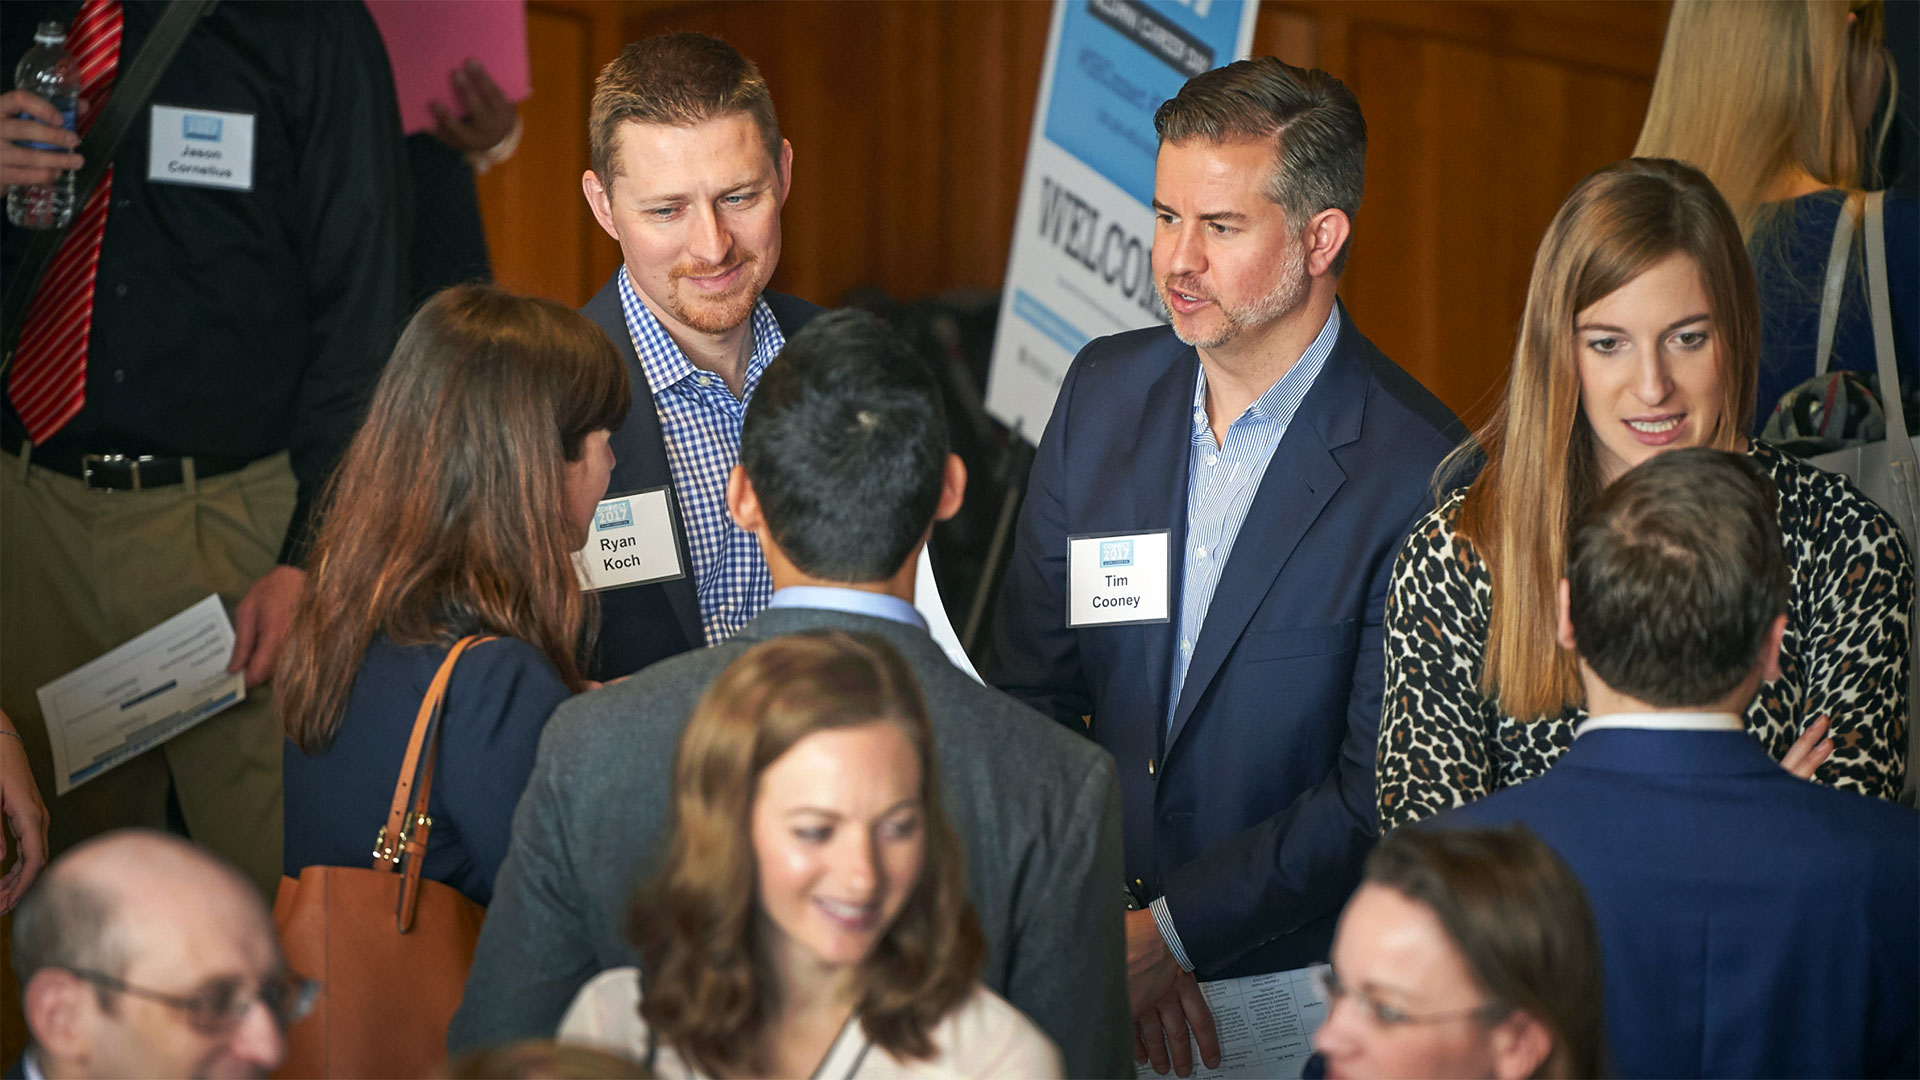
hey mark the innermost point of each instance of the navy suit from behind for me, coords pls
(1753, 924)
(1251, 812)
(643, 624)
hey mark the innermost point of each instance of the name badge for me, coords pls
(1117, 579)
(631, 542)
(201, 148)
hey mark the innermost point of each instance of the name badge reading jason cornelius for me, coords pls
(632, 541)
(1114, 579)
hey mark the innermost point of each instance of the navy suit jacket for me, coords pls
(643, 624)
(1753, 924)
(1254, 814)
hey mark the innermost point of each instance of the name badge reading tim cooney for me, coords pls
(1117, 578)
(631, 542)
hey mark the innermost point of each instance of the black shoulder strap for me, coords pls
(130, 93)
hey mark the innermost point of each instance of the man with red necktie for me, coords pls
(189, 369)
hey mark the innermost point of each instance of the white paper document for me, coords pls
(1264, 1023)
(926, 597)
(141, 694)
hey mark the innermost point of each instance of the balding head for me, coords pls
(153, 912)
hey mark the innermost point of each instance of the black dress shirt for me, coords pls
(241, 323)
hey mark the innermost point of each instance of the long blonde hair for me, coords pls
(1541, 466)
(1748, 91)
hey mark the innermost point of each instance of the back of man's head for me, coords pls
(845, 443)
(118, 934)
(675, 80)
(1675, 575)
(1313, 120)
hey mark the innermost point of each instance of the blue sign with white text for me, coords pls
(614, 515)
(196, 126)
(1119, 59)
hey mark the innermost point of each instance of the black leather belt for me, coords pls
(130, 472)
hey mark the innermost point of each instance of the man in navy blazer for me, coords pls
(689, 175)
(1278, 460)
(1753, 924)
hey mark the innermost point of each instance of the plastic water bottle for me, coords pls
(49, 71)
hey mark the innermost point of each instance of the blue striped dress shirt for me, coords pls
(1221, 484)
(700, 424)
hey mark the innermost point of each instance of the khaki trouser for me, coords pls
(83, 570)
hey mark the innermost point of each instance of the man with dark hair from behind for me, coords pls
(844, 468)
(140, 954)
(1753, 924)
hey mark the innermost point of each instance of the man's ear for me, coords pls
(60, 1008)
(1326, 235)
(598, 200)
(953, 489)
(1564, 631)
(1520, 1044)
(1770, 649)
(786, 170)
(742, 502)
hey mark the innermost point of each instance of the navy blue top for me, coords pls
(1790, 264)
(498, 700)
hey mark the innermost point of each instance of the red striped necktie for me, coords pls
(48, 385)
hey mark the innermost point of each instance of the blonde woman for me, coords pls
(1640, 335)
(1774, 101)
(811, 918)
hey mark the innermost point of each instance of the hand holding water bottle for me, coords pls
(41, 124)
(47, 76)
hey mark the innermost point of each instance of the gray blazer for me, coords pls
(1038, 807)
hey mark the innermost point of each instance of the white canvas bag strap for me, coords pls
(1836, 280)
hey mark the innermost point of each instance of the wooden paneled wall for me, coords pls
(909, 122)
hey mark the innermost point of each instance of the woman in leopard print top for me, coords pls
(1590, 395)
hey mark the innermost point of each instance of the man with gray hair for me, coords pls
(140, 954)
(1203, 558)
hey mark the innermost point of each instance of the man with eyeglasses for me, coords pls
(140, 954)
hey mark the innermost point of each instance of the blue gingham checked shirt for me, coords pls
(700, 424)
(1221, 484)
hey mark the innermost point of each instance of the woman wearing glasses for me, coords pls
(1465, 953)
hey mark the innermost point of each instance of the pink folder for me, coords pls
(427, 39)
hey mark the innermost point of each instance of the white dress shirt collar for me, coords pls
(1663, 721)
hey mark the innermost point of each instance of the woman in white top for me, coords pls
(811, 919)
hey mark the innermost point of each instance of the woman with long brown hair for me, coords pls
(1640, 335)
(456, 511)
(811, 917)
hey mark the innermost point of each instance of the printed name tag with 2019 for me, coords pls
(1117, 578)
(201, 148)
(631, 542)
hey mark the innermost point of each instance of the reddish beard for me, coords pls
(714, 313)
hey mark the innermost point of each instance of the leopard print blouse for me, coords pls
(1844, 655)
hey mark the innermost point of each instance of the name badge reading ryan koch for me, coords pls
(1116, 579)
(631, 542)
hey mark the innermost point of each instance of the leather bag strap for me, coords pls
(131, 90)
(403, 839)
(1836, 280)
